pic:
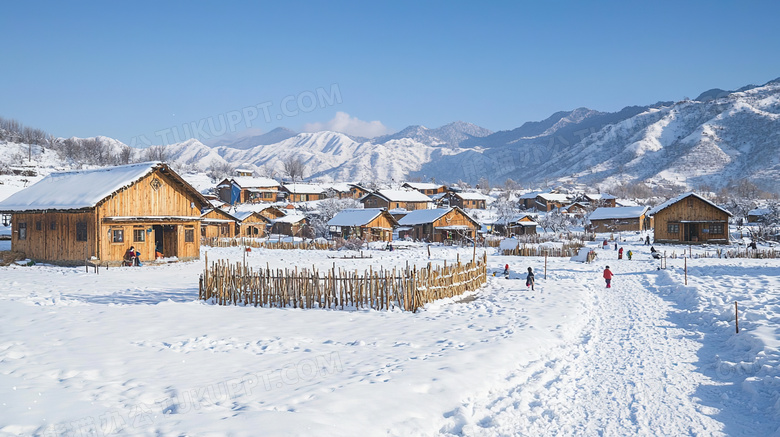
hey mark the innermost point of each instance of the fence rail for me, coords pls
(564, 252)
(255, 243)
(408, 289)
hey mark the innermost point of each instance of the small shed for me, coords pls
(521, 224)
(619, 219)
(69, 217)
(218, 223)
(251, 224)
(244, 189)
(690, 218)
(294, 225)
(303, 192)
(439, 225)
(371, 224)
(427, 188)
(272, 212)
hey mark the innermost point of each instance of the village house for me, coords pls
(527, 200)
(372, 224)
(242, 189)
(394, 199)
(358, 192)
(338, 190)
(690, 218)
(438, 225)
(619, 219)
(521, 224)
(302, 192)
(293, 225)
(272, 212)
(598, 200)
(251, 224)
(550, 201)
(468, 200)
(427, 188)
(217, 223)
(70, 217)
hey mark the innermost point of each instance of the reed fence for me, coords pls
(406, 288)
(265, 244)
(567, 251)
(729, 253)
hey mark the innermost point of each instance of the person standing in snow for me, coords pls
(647, 240)
(506, 270)
(629, 255)
(620, 253)
(529, 280)
(608, 277)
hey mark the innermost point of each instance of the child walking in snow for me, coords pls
(529, 280)
(608, 277)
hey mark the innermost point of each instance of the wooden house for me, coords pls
(395, 199)
(521, 224)
(303, 192)
(528, 200)
(294, 225)
(338, 191)
(70, 217)
(468, 200)
(690, 218)
(550, 201)
(357, 191)
(218, 223)
(272, 213)
(242, 189)
(599, 200)
(252, 224)
(439, 225)
(759, 215)
(244, 172)
(576, 209)
(427, 188)
(619, 219)
(373, 224)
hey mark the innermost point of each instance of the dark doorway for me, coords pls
(165, 240)
(691, 231)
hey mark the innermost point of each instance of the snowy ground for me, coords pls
(130, 351)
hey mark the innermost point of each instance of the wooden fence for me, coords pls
(568, 250)
(729, 253)
(407, 288)
(266, 244)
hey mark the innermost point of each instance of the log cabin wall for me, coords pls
(711, 224)
(155, 195)
(253, 226)
(55, 237)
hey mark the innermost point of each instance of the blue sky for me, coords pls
(144, 72)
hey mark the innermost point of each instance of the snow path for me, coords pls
(630, 372)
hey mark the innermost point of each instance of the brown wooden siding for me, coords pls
(692, 220)
(43, 243)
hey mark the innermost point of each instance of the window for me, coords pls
(189, 235)
(673, 228)
(38, 225)
(139, 235)
(53, 226)
(22, 230)
(118, 235)
(716, 228)
(81, 231)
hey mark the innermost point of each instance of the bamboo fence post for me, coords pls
(686, 271)
(736, 315)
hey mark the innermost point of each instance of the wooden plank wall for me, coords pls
(60, 243)
(689, 209)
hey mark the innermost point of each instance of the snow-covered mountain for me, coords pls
(719, 137)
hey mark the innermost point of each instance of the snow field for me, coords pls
(130, 351)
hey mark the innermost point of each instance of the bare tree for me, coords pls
(268, 170)
(156, 153)
(484, 185)
(219, 170)
(294, 167)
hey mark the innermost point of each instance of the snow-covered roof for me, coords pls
(472, 196)
(555, 197)
(253, 182)
(670, 202)
(293, 218)
(303, 188)
(422, 216)
(243, 215)
(437, 196)
(423, 185)
(76, 189)
(531, 195)
(600, 196)
(355, 217)
(340, 187)
(403, 196)
(623, 212)
(759, 211)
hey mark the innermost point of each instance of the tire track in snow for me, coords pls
(630, 372)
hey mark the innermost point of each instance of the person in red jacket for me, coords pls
(608, 276)
(620, 253)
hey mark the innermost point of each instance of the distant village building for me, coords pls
(550, 201)
(438, 225)
(272, 212)
(469, 200)
(242, 189)
(371, 224)
(245, 172)
(96, 215)
(393, 199)
(521, 224)
(427, 188)
(294, 225)
(619, 219)
(303, 192)
(690, 218)
(599, 200)
(358, 191)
